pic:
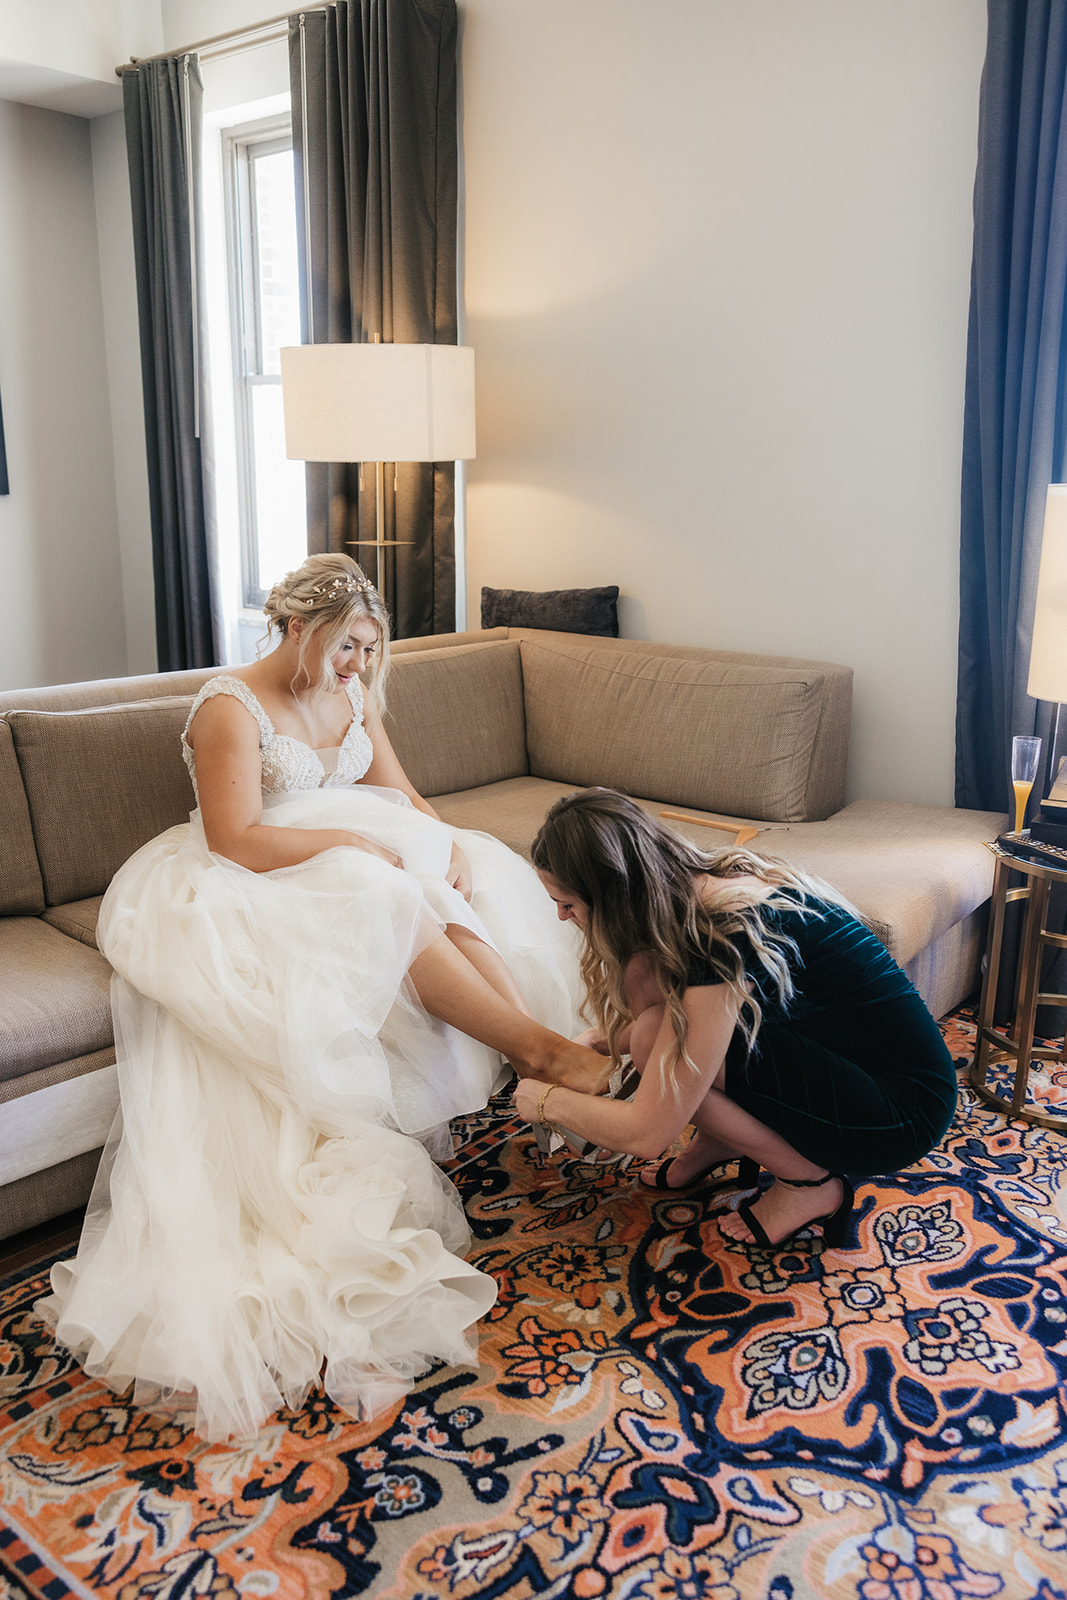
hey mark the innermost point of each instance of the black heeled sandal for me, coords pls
(834, 1223)
(747, 1176)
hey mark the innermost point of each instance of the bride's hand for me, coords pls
(372, 848)
(459, 873)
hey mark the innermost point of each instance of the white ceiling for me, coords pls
(36, 85)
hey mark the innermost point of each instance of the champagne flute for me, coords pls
(1025, 754)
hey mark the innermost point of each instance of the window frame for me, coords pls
(242, 144)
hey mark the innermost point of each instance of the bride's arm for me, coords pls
(385, 772)
(225, 740)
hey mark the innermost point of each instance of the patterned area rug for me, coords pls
(658, 1413)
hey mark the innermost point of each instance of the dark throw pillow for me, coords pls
(561, 610)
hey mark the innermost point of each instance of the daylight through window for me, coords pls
(265, 315)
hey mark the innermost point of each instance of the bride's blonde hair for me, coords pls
(639, 881)
(329, 593)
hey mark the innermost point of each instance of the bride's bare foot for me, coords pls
(781, 1211)
(700, 1153)
(568, 1063)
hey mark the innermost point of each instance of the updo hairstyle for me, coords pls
(329, 593)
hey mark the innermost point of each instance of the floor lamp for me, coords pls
(378, 403)
(1048, 650)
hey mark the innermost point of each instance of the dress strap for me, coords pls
(354, 690)
(225, 684)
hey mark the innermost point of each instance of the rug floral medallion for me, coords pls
(658, 1412)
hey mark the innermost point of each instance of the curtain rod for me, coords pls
(225, 39)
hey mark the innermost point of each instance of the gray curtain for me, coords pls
(162, 102)
(1015, 416)
(374, 133)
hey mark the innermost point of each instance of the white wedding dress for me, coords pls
(267, 1211)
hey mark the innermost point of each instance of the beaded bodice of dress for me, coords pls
(289, 763)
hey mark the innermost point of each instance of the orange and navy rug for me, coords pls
(659, 1414)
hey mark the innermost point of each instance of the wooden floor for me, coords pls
(23, 1249)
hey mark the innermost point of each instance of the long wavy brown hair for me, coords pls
(640, 881)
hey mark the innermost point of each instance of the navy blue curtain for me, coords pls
(1015, 416)
(162, 102)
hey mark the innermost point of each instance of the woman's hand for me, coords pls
(528, 1092)
(593, 1039)
(372, 848)
(459, 873)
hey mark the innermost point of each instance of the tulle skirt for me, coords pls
(267, 1212)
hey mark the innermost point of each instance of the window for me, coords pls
(264, 316)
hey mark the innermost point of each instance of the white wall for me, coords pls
(63, 616)
(716, 266)
(62, 55)
(76, 524)
(717, 269)
(74, 529)
(187, 21)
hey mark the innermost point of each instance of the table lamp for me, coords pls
(378, 402)
(1048, 651)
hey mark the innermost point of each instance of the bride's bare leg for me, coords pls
(490, 963)
(453, 989)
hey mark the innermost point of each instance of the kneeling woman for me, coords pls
(755, 1005)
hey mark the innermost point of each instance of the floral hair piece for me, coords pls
(344, 584)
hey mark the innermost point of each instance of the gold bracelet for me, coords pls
(541, 1105)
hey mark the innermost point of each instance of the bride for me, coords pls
(311, 977)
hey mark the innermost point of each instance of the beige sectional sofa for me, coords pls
(493, 726)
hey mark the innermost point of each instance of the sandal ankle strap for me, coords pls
(807, 1183)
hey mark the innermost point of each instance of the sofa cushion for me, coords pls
(825, 792)
(911, 871)
(77, 919)
(456, 716)
(21, 889)
(101, 783)
(725, 737)
(55, 1001)
(511, 811)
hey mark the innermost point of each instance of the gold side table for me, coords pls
(1016, 1042)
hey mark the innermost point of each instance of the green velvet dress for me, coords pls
(853, 1071)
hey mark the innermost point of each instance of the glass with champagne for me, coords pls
(1025, 755)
